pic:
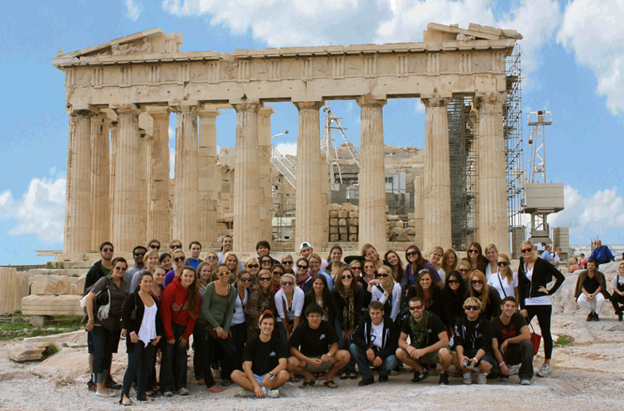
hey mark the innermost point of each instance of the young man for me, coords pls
(227, 244)
(314, 349)
(548, 255)
(591, 291)
(195, 249)
(100, 269)
(305, 249)
(429, 343)
(137, 254)
(512, 343)
(473, 342)
(374, 344)
(264, 362)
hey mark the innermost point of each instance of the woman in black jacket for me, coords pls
(320, 294)
(144, 331)
(453, 297)
(429, 291)
(490, 300)
(533, 277)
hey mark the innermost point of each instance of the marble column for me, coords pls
(264, 167)
(419, 183)
(78, 194)
(372, 223)
(186, 183)
(158, 209)
(143, 186)
(209, 181)
(246, 178)
(437, 179)
(492, 198)
(114, 132)
(100, 182)
(126, 218)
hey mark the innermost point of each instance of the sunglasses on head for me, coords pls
(253, 266)
(265, 279)
(415, 307)
(287, 283)
(502, 263)
(473, 251)
(471, 308)
(107, 250)
(476, 282)
(177, 259)
(527, 250)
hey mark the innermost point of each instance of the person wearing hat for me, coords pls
(264, 363)
(306, 250)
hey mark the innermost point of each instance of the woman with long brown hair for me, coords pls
(429, 291)
(490, 301)
(415, 263)
(475, 257)
(504, 280)
(370, 252)
(335, 262)
(260, 300)
(448, 263)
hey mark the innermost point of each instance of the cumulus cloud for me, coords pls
(133, 10)
(593, 31)
(287, 148)
(40, 212)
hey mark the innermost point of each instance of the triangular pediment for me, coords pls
(437, 33)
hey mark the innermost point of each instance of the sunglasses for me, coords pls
(174, 246)
(356, 268)
(265, 279)
(382, 275)
(411, 253)
(107, 250)
(477, 282)
(348, 277)
(287, 262)
(213, 257)
(287, 283)
(154, 247)
(139, 254)
(245, 280)
(303, 267)
(222, 273)
(253, 266)
(502, 264)
(415, 307)
(453, 282)
(465, 270)
(527, 250)
(277, 273)
(473, 251)
(472, 308)
(178, 259)
(120, 268)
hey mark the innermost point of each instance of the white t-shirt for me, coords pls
(488, 271)
(495, 281)
(377, 331)
(295, 308)
(239, 306)
(147, 331)
(541, 300)
(442, 275)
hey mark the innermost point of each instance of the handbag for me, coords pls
(535, 339)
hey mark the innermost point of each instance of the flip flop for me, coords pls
(306, 384)
(330, 384)
(344, 376)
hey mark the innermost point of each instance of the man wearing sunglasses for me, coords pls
(473, 343)
(429, 343)
(374, 344)
(137, 254)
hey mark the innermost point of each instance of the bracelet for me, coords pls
(501, 364)
(329, 355)
(90, 321)
(132, 333)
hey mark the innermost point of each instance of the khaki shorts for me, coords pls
(324, 367)
(429, 358)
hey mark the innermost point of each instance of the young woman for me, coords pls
(392, 260)
(288, 263)
(105, 328)
(204, 271)
(178, 259)
(253, 268)
(175, 245)
(266, 262)
(505, 281)
(533, 278)
(435, 258)
(429, 291)
(151, 261)
(238, 328)
(491, 253)
(261, 298)
(277, 273)
(217, 309)
(388, 292)
(356, 267)
(335, 262)
(178, 311)
(314, 268)
(320, 295)
(448, 263)
(453, 296)
(166, 261)
(347, 297)
(617, 298)
(144, 333)
(463, 267)
(573, 265)
(368, 280)
(213, 259)
(302, 276)
(476, 258)
(233, 264)
(158, 285)
(415, 263)
(370, 252)
(490, 301)
(289, 305)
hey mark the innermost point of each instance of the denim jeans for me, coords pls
(173, 363)
(364, 364)
(344, 345)
(140, 364)
(104, 344)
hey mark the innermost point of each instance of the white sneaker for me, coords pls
(525, 381)
(482, 378)
(513, 369)
(246, 393)
(467, 378)
(272, 393)
(545, 371)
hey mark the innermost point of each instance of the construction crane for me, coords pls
(328, 146)
(283, 164)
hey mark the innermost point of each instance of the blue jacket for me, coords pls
(602, 255)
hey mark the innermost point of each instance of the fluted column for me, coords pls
(246, 178)
(419, 183)
(158, 210)
(437, 184)
(209, 181)
(372, 223)
(265, 198)
(492, 197)
(100, 182)
(310, 214)
(114, 132)
(186, 186)
(126, 219)
(78, 194)
(143, 186)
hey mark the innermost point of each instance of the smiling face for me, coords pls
(146, 283)
(266, 263)
(425, 281)
(417, 310)
(435, 257)
(347, 278)
(314, 320)
(262, 250)
(178, 259)
(227, 244)
(231, 262)
(393, 259)
(371, 254)
(509, 308)
(369, 269)
(119, 269)
(315, 265)
(138, 255)
(473, 253)
(491, 254)
(253, 268)
(205, 274)
(464, 270)
(302, 268)
(376, 316)
(223, 275)
(476, 283)
(336, 255)
(152, 260)
(195, 251)
(167, 263)
(244, 281)
(277, 276)
(356, 268)
(385, 278)
(159, 275)
(450, 259)
(306, 251)
(265, 280)
(453, 283)
(318, 286)
(266, 326)
(472, 312)
(187, 277)
(412, 254)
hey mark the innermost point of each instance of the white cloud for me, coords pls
(40, 212)
(133, 10)
(171, 163)
(593, 30)
(287, 148)
(419, 107)
(601, 211)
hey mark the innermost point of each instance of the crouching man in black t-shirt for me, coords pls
(264, 362)
(511, 343)
(314, 349)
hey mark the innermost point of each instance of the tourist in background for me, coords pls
(582, 260)
(601, 254)
(504, 280)
(261, 299)
(617, 298)
(591, 291)
(573, 265)
(491, 253)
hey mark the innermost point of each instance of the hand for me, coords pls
(524, 313)
(543, 289)
(346, 335)
(505, 369)
(134, 338)
(266, 381)
(183, 341)
(416, 354)
(315, 362)
(592, 295)
(89, 326)
(171, 342)
(325, 358)
(370, 354)
(377, 362)
(473, 362)
(503, 346)
(462, 359)
(156, 340)
(258, 392)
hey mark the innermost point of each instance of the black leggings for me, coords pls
(543, 313)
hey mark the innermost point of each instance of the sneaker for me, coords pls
(110, 383)
(544, 371)
(620, 316)
(444, 378)
(503, 378)
(590, 316)
(383, 378)
(91, 386)
(482, 378)
(182, 391)
(513, 369)
(272, 393)
(467, 378)
(525, 381)
(168, 394)
(246, 393)
(596, 318)
(419, 376)
(367, 381)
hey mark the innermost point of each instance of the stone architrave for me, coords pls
(78, 195)
(419, 185)
(100, 182)
(310, 214)
(492, 198)
(126, 218)
(158, 209)
(246, 178)
(264, 168)
(437, 179)
(209, 181)
(372, 228)
(186, 183)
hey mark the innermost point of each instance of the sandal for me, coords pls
(127, 403)
(306, 384)
(216, 389)
(353, 376)
(330, 384)
(343, 376)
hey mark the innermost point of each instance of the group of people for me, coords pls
(262, 322)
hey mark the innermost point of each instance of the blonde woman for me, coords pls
(489, 297)
(491, 253)
(178, 263)
(449, 263)
(289, 304)
(233, 263)
(505, 281)
(253, 267)
(151, 261)
(435, 258)
(388, 292)
(370, 252)
(261, 298)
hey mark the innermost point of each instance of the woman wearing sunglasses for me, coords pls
(238, 327)
(388, 292)
(288, 263)
(289, 305)
(253, 267)
(453, 296)
(428, 291)
(505, 281)
(476, 258)
(368, 280)
(415, 263)
(261, 298)
(533, 278)
(178, 260)
(277, 273)
(302, 276)
(490, 301)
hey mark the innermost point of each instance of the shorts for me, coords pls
(260, 378)
(429, 358)
(324, 367)
(487, 357)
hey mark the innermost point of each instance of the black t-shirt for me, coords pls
(503, 332)
(264, 356)
(434, 327)
(591, 284)
(311, 342)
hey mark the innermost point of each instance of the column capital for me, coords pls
(308, 105)
(370, 100)
(435, 100)
(86, 110)
(156, 111)
(120, 109)
(494, 97)
(184, 106)
(266, 111)
(208, 111)
(251, 106)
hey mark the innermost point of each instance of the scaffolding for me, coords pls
(463, 127)
(514, 161)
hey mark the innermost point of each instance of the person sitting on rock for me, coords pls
(591, 291)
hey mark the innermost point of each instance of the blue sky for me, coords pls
(573, 59)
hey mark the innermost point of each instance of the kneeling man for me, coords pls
(264, 362)
(314, 349)
(429, 343)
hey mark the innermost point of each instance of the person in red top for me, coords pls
(178, 310)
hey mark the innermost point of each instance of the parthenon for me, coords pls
(119, 96)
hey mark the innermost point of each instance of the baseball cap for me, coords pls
(304, 245)
(266, 314)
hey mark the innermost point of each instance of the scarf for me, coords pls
(419, 331)
(301, 282)
(348, 312)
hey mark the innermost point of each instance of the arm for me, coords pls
(190, 324)
(206, 303)
(279, 296)
(358, 295)
(230, 310)
(499, 357)
(165, 314)
(560, 278)
(90, 313)
(396, 301)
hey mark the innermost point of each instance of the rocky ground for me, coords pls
(588, 374)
